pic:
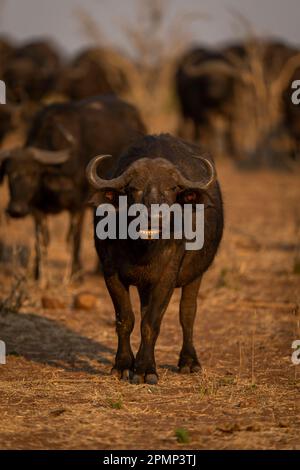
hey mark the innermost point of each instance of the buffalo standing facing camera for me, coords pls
(156, 170)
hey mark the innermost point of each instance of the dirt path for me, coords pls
(56, 391)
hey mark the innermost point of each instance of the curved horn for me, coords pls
(189, 184)
(219, 67)
(100, 183)
(49, 157)
(286, 74)
(213, 66)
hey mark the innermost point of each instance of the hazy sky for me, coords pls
(24, 19)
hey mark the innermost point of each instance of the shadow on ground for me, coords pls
(46, 341)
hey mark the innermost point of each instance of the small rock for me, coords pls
(52, 303)
(57, 412)
(283, 423)
(85, 301)
(228, 428)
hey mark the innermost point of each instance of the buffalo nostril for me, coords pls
(17, 210)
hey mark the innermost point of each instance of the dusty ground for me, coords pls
(56, 391)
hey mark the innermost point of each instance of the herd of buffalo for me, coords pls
(245, 90)
(91, 146)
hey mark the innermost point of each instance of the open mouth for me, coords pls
(149, 233)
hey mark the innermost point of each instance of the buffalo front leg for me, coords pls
(74, 238)
(119, 293)
(154, 303)
(188, 361)
(41, 243)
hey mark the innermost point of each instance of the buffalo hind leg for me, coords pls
(188, 361)
(119, 293)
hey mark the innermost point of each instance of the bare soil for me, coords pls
(56, 390)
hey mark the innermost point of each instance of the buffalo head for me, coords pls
(150, 181)
(24, 167)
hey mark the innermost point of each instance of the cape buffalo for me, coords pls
(204, 90)
(47, 175)
(89, 74)
(238, 99)
(31, 71)
(156, 170)
(6, 51)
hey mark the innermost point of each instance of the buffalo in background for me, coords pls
(6, 51)
(89, 74)
(238, 100)
(47, 175)
(31, 71)
(38, 73)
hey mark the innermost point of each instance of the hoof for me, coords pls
(185, 370)
(137, 379)
(193, 369)
(121, 374)
(115, 372)
(151, 379)
(126, 375)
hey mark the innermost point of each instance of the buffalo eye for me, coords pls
(110, 195)
(190, 196)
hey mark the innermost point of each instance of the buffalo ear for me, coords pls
(96, 199)
(190, 196)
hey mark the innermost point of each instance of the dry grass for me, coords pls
(56, 391)
(156, 42)
(258, 99)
